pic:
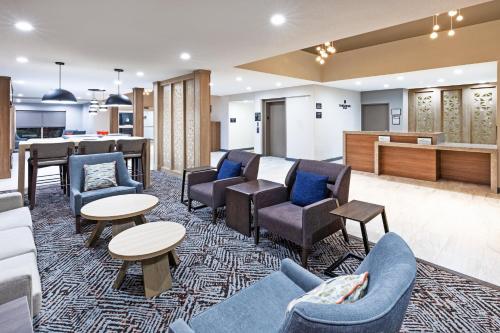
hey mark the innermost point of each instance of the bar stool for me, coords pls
(88, 147)
(135, 151)
(43, 155)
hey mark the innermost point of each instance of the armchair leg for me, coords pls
(78, 224)
(304, 256)
(214, 216)
(190, 204)
(256, 235)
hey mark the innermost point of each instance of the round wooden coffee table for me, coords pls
(123, 211)
(153, 245)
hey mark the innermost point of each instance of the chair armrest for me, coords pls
(9, 201)
(315, 217)
(341, 188)
(132, 183)
(180, 326)
(268, 198)
(15, 284)
(75, 201)
(219, 193)
(300, 276)
(201, 177)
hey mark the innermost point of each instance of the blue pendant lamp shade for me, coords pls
(118, 99)
(59, 95)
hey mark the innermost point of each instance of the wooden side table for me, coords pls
(362, 212)
(187, 171)
(239, 200)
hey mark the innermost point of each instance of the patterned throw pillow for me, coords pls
(99, 176)
(342, 289)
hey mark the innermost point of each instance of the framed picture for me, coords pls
(395, 112)
(319, 115)
(396, 120)
(257, 116)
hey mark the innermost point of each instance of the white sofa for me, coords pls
(18, 266)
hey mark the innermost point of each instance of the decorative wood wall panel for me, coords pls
(183, 115)
(5, 127)
(167, 127)
(452, 115)
(424, 112)
(483, 116)
(464, 113)
(190, 124)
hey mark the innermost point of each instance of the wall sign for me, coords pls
(319, 106)
(232, 120)
(319, 115)
(258, 116)
(396, 120)
(345, 106)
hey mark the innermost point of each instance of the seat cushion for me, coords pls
(17, 241)
(284, 219)
(202, 193)
(229, 169)
(25, 264)
(90, 196)
(309, 188)
(258, 308)
(16, 218)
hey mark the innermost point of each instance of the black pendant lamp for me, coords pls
(59, 95)
(118, 99)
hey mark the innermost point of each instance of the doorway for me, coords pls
(274, 128)
(375, 117)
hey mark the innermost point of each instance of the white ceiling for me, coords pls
(95, 36)
(447, 76)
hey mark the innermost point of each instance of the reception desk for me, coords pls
(403, 157)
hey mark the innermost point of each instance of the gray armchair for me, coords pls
(307, 225)
(204, 187)
(78, 198)
(262, 307)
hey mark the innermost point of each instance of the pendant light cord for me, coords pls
(60, 76)
(118, 83)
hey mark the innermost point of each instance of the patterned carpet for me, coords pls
(216, 262)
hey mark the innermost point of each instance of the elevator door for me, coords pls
(276, 129)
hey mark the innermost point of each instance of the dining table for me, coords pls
(24, 147)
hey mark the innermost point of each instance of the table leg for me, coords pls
(173, 258)
(156, 273)
(21, 169)
(140, 219)
(96, 233)
(183, 185)
(365, 238)
(121, 275)
(116, 228)
(384, 220)
(147, 165)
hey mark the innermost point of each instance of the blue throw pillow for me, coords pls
(229, 169)
(308, 188)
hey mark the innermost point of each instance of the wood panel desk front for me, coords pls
(463, 162)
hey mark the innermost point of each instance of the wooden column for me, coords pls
(498, 122)
(138, 107)
(113, 119)
(158, 123)
(5, 127)
(202, 107)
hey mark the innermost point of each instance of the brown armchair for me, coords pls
(204, 187)
(304, 225)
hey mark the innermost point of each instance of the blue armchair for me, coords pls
(262, 306)
(78, 198)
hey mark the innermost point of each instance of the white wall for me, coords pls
(396, 98)
(94, 122)
(220, 113)
(241, 133)
(307, 137)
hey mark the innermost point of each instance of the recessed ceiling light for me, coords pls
(358, 83)
(211, 84)
(278, 84)
(400, 78)
(20, 95)
(238, 78)
(185, 56)
(22, 60)
(78, 97)
(140, 73)
(458, 71)
(19, 81)
(24, 26)
(386, 85)
(278, 19)
(440, 80)
(18, 100)
(249, 88)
